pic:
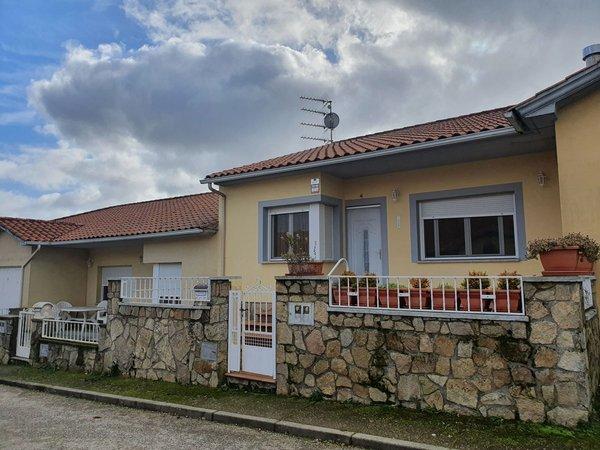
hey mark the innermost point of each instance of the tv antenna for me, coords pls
(330, 119)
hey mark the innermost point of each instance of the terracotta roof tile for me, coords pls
(154, 216)
(430, 131)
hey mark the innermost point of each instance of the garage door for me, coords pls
(10, 287)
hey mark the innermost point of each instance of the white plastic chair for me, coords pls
(57, 311)
(101, 316)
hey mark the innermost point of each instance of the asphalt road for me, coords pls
(34, 420)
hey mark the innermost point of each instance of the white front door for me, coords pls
(365, 250)
(10, 287)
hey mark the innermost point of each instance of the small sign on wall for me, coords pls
(44, 350)
(301, 314)
(315, 185)
(208, 351)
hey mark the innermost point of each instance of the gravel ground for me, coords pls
(31, 419)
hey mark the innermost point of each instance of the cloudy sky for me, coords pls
(107, 102)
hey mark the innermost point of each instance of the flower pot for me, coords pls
(471, 300)
(307, 268)
(422, 301)
(341, 297)
(367, 297)
(388, 298)
(506, 299)
(564, 261)
(444, 301)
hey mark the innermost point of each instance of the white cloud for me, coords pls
(218, 84)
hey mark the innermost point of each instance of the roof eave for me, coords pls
(489, 134)
(134, 237)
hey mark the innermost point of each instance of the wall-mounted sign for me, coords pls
(208, 351)
(44, 350)
(201, 292)
(588, 298)
(301, 314)
(315, 185)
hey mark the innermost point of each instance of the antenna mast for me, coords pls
(330, 119)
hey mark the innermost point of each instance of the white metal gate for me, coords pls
(252, 331)
(24, 333)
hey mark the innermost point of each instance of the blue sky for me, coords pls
(32, 45)
(113, 101)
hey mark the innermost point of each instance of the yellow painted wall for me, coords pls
(113, 256)
(578, 153)
(199, 256)
(541, 204)
(58, 274)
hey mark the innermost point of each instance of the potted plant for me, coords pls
(508, 292)
(572, 254)
(472, 288)
(420, 294)
(298, 260)
(388, 295)
(368, 290)
(445, 297)
(345, 293)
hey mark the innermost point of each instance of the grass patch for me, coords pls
(422, 426)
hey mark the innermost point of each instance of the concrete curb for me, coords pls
(278, 426)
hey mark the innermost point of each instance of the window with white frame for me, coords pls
(313, 224)
(481, 226)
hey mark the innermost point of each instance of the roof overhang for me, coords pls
(124, 240)
(540, 110)
(471, 147)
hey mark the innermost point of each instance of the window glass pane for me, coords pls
(300, 230)
(429, 238)
(485, 236)
(509, 235)
(451, 236)
(279, 229)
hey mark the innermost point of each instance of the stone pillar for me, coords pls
(564, 387)
(8, 339)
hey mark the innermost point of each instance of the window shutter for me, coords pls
(481, 205)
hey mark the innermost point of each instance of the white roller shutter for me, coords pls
(481, 205)
(10, 287)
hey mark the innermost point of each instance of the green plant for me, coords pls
(513, 282)
(296, 245)
(350, 281)
(417, 283)
(588, 246)
(362, 282)
(479, 280)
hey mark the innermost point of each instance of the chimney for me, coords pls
(591, 55)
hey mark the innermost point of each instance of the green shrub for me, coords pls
(588, 246)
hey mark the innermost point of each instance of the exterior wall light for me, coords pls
(395, 194)
(541, 178)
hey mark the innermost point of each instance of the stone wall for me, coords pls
(171, 344)
(76, 357)
(8, 338)
(533, 371)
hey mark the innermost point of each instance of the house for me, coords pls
(439, 198)
(73, 258)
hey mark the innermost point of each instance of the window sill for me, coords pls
(470, 259)
(276, 261)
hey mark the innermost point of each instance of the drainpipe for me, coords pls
(224, 228)
(38, 247)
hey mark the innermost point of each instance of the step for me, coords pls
(20, 359)
(251, 377)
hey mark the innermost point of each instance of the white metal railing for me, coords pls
(70, 330)
(451, 294)
(171, 291)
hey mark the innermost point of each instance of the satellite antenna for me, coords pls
(330, 119)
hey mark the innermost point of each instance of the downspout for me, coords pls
(38, 247)
(223, 228)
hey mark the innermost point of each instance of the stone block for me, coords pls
(425, 344)
(567, 417)
(346, 337)
(314, 342)
(408, 388)
(545, 357)
(444, 346)
(572, 360)
(543, 332)
(567, 393)
(377, 396)
(465, 349)
(567, 315)
(531, 410)
(460, 328)
(361, 356)
(326, 383)
(462, 367)
(461, 392)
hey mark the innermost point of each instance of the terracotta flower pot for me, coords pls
(508, 299)
(422, 301)
(471, 301)
(307, 268)
(444, 301)
(564, 261)
(388, 298)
